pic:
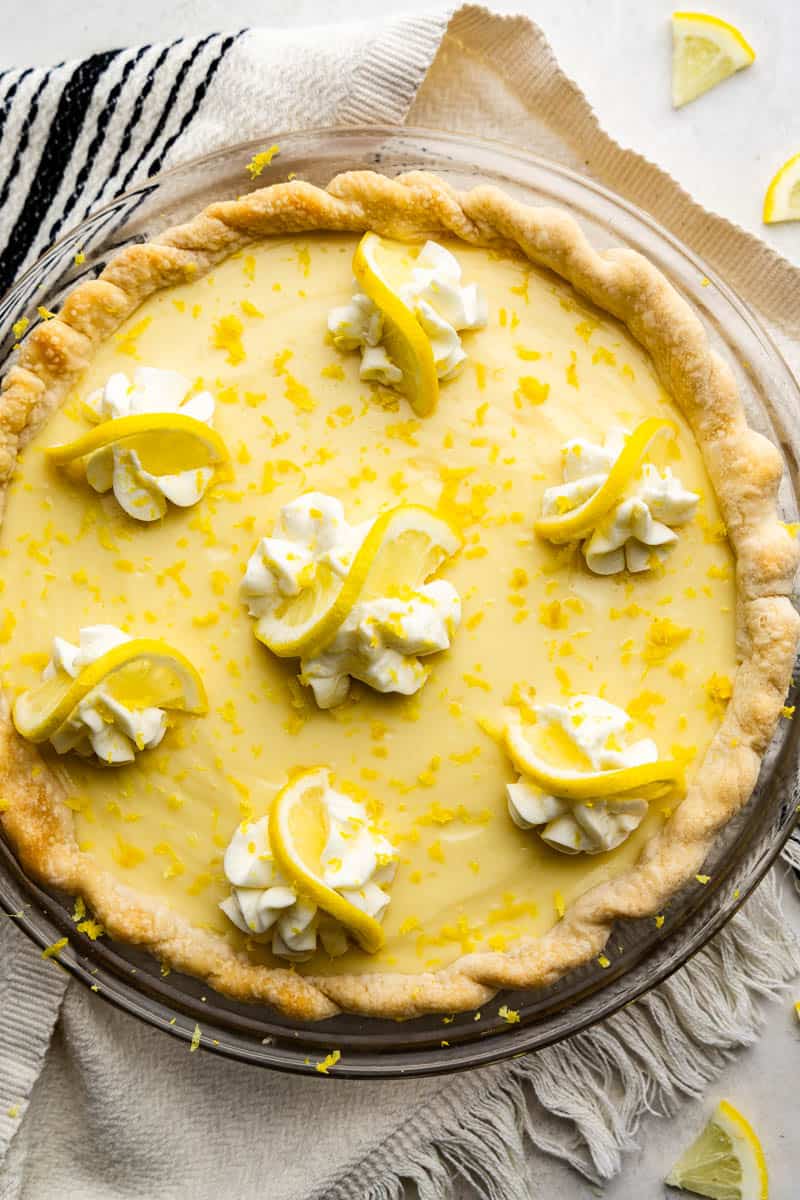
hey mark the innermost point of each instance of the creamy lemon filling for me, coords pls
(598, 731)
(638, 530)
(430, 285)
(140, 493)
(296, 417)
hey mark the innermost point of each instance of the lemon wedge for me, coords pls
(648, 780)
(404, 546)
(726, 1162)
(297, 834)
(782, 201)
(141, 673)
(166, 442)
(405, 340)
(705, 50)
(579, 521)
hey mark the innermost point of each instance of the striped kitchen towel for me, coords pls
(76, 136)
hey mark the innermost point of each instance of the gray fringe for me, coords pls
(583, 1100)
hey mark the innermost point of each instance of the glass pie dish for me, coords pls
(643, 954)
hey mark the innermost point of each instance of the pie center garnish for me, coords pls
(353, 601)
(316, 867)
(107, 696)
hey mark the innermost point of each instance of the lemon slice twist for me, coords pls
(647, 780)
(405, 340)
(404, 546)
(141, 673)
(726, 1161)
(166, 443)
(303, 792)
(578, 522)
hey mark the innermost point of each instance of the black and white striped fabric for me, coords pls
(75, 136)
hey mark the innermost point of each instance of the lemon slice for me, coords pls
(297, 834)
(166, 443)
(705, 50)
(141, 673)
(405, 340)
(648, 780)
(403, 547)
(579, 521)
(782, 201)
(726, 1161)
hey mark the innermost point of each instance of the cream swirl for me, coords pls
(357, 862)
(443, 306)
(597, 729)
(638, 530)
(141, 494)
(381, 640)
(101, 725)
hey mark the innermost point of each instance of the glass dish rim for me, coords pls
(479, 1053)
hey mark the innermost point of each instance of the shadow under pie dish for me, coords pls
(691, 639)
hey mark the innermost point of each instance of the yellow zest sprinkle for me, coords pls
(788, 711)
(719, 690)
(662, 637)
(509, 1015)
(228, 337)
(195, 1042)
(659, 921)
(126, 342)
(80, 258)
(558, 901)
(12, 1111)
(330, 1060)
(55, 949)
(79, 910)
(604, 961)
(702, 878)
(92, 929)
(531, 389)
(259, 161)
(45, 313)
(19, 327)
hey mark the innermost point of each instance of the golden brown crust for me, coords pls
(745, 470)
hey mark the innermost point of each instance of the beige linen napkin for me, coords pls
(121, 1111)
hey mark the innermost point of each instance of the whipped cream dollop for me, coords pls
(381, 639)
(101, 725)
(598, 730)
(443, 306)
(637, 531)
(357, 861)
(141, 494)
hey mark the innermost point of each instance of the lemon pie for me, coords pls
(393, 596)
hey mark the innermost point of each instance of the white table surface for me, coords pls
(723, 150)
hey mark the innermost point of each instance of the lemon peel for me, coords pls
(405, 340)
(365, 929)
(648, 780)
(174, 683)
(577, 522)
(190, 443)
(705, 51)
(725, 1162)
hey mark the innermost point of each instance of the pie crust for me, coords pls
(745, 470)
